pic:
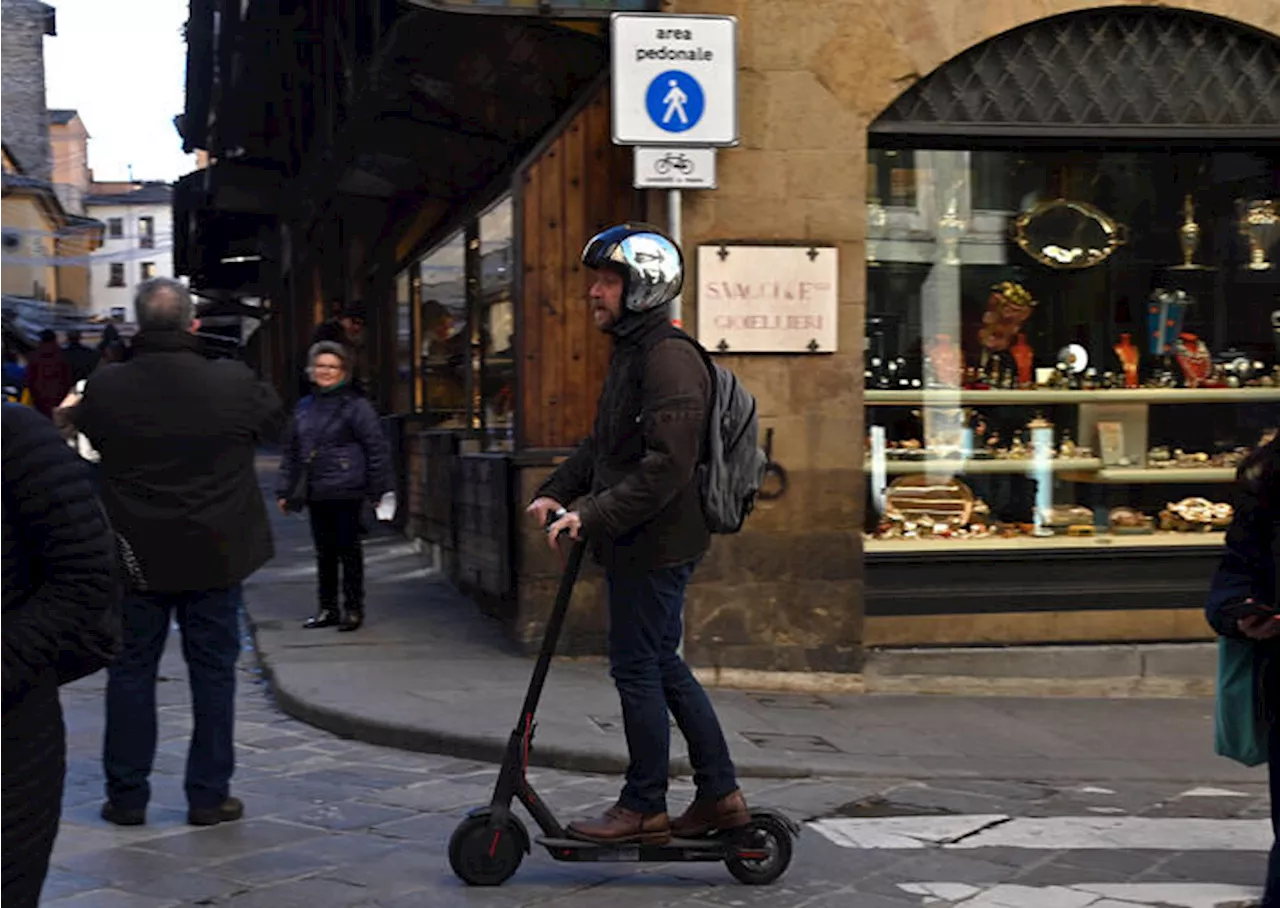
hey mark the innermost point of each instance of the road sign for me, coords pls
(675, 168)
(675, 80)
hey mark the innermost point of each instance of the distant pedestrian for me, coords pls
(15, 375)
(177, 435)
(60, 601)
(1250, 570)
(80, 358)
(48, 374)
(336, 463)
(345, 327)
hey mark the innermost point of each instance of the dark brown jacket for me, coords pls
(640, 506)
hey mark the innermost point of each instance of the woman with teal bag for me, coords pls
(1241, 608)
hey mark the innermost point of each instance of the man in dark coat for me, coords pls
(177, 434)
(48, 374)
(60, 592)
(80, 358)
(346, 327)
(641, 509)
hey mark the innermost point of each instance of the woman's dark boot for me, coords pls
(352, 619)
(326, 617)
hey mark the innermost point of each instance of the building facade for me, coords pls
(23, 27)
(69, 142)
(971, 455)
(137, 242)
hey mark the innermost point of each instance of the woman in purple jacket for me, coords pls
(336, 463)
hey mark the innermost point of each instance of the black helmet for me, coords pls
(649, 263)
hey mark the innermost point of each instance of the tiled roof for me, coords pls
(146, 194)
(22, 181)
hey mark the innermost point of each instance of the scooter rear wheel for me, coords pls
(482, 857)
(761, 851)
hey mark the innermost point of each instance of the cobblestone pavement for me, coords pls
(333, 823)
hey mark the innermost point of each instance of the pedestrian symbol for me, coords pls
(675, 101)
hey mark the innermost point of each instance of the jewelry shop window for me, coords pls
(1066, 348)
(443, 337)
(497, 325)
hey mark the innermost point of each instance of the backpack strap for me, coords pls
(667, 330)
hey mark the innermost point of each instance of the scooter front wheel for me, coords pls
(481, 856)
(761, 851)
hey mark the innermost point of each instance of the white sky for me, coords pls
(122, 64)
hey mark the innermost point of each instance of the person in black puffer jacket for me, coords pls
(1248, 570)
(336, 449)
(60, 598)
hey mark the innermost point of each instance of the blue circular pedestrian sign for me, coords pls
(675, 101)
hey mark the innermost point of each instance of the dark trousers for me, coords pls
(34, 769)
(335, 529)
(644, 631)
(210, 625)
(1272, 897)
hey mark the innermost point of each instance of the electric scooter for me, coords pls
(488, 846)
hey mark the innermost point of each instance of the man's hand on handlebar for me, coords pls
(543, 508)
(568, 522)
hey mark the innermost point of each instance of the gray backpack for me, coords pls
(733, 463)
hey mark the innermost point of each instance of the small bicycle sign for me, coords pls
(674, 161)
(674, 168)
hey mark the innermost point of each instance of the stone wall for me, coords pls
(25, 119)
(786, 594)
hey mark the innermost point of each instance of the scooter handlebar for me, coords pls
(552, 518)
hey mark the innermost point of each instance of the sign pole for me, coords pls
(674, 204)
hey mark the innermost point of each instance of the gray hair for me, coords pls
(327, 348)
(163, 304)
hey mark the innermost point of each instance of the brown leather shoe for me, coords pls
(621, 826)
(705, 815)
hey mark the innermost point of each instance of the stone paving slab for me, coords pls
(340, 823)
(430, 673)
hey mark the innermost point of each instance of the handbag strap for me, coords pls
(332, 420)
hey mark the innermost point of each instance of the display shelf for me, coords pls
(1154, 475)
(1030, 544)
(959, 466)
(949, 397)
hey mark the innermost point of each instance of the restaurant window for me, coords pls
(497, 324)
(443, 336)
(1066, 349)
(115, 277)
(147, 232)
(115, 228)
(148, 270)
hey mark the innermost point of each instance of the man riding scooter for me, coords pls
(639, 507)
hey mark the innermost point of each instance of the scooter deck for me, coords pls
(674, 850)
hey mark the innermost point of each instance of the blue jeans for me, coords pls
(644, 631)
(210, 625)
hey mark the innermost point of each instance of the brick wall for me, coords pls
(23, 115)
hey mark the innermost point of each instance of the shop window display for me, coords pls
(403, 387)
(1066, 348)
(497, 324)
(443, 336)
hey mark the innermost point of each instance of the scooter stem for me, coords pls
(555, 623)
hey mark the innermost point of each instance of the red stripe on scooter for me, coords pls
(493, 846)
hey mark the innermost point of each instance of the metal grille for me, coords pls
(1118, 72)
